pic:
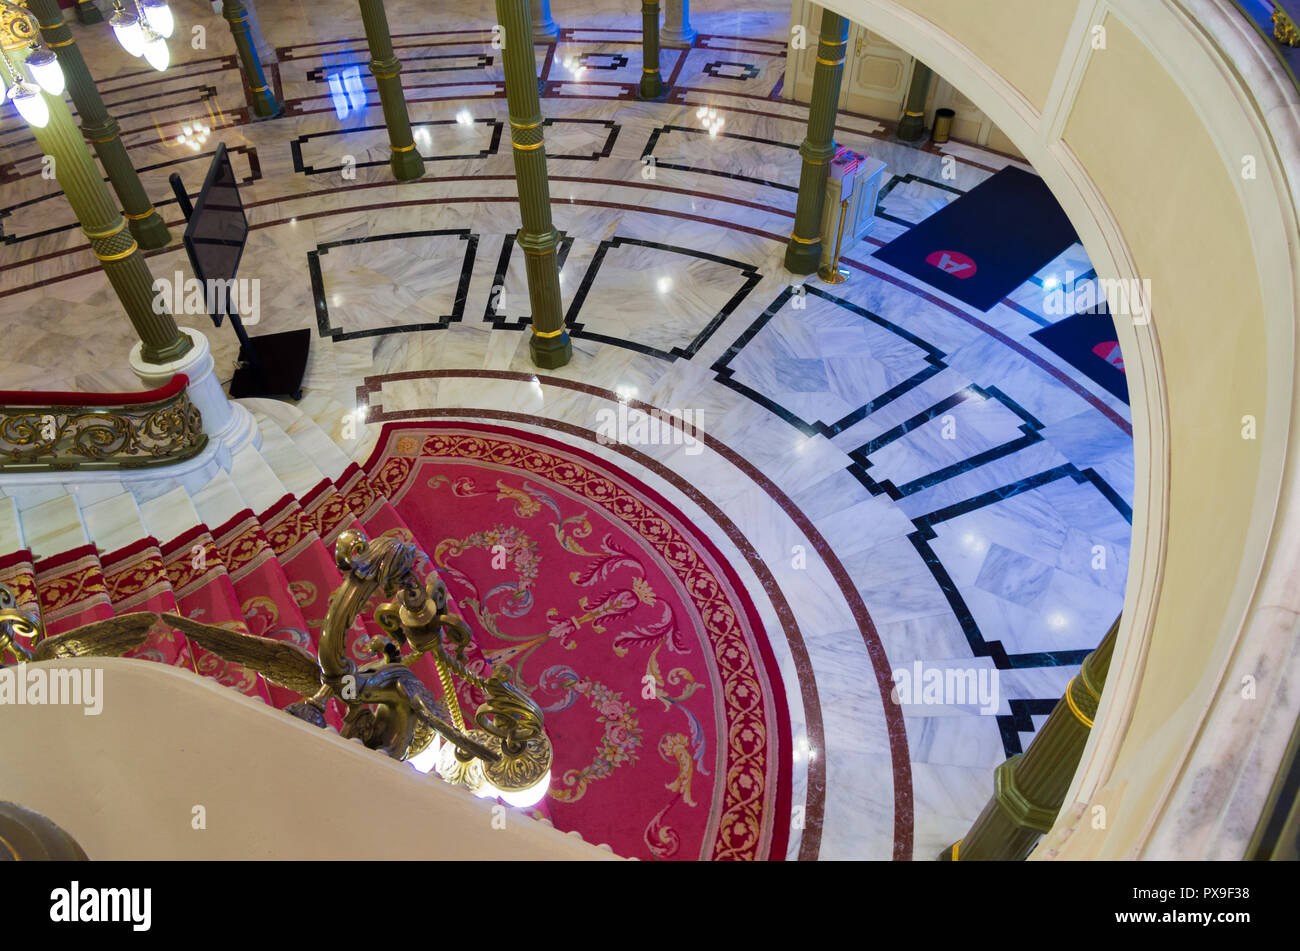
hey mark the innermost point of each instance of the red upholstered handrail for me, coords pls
(62, 398)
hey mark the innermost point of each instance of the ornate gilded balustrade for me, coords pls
(55, 432)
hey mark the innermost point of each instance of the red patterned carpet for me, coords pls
(662, 699)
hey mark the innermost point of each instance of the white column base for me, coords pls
(544, 28)
(227, 424)
(676, 29)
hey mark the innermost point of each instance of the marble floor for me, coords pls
(899, 479)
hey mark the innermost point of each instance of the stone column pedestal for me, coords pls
(225, 423)
(544, 28)
(677, 24)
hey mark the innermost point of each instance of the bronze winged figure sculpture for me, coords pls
(110, 637)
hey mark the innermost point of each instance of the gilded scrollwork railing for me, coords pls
(55, 432)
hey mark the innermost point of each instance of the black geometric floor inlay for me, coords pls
(611, 127)
(925, 533)
(1021, 721)
(1030, 428)
(202, 160)
(746, 70)
(614, 60)
(296, 145)
(735, 176)
(748, 273)
(897, 180)
(481, 61)
(502, 321)
(933, 357)
(326, 329)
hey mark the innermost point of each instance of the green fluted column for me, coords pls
(88, 13)
(407, 163)
(911, 128)
(804, 253)
(100, 128)
(652, 84)
(118, 253)
(1030, 788)
(549, 345)
(264, 103)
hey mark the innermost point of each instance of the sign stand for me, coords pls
(271, 365)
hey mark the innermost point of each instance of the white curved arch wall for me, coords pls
(1143, 141)
(125, 783)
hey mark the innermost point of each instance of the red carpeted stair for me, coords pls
(624, 621)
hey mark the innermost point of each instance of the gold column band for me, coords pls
(403, 148)
(120, 255)
(109, 139)
(142, 215)
(383, 75)
(540, 254)
(831, 62)
(121, 223)
(1074, 707)
(68, 42)
(259, 89)
(530, 125)
(526, 148)
(1083, 679)
(956, 846)
(913, 115)
(646, 69)
(796, 238)
(548, 333)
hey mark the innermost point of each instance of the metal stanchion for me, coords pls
(833, 273)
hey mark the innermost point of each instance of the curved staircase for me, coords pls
(251, 549)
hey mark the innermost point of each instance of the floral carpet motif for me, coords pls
(626, 625)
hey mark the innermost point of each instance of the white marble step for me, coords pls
(114, 522)
(53, 526)
(11, 527)
(295, 456)
(290, 464)
(169, 514)
(324, 453)
(218, 502)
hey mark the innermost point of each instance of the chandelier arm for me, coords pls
(449, 689)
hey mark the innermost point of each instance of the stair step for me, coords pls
(170, 515)
(219, 501)
(113, 523)
(266, 601)
(18, 576)
(291, 465)
(71, 589)
(328, 512)
(315, 443)
(205, 593)
(255, 480)
(11, 527)
(136, 581)
(53, 526)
